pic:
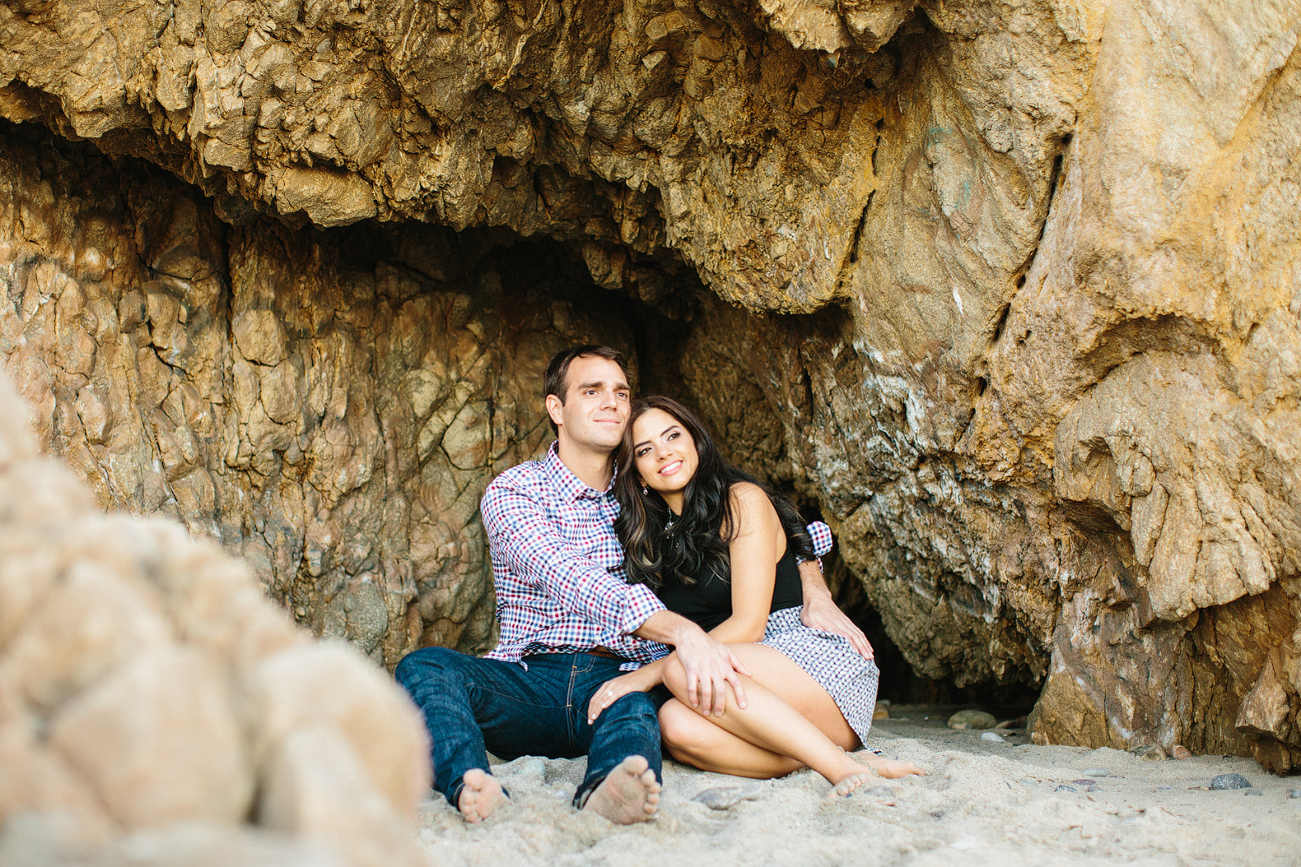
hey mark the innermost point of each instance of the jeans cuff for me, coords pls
(585, 791)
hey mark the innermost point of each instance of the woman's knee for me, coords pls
(684, 731)
(675, 676)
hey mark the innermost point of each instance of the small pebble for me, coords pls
(725, 797)
(1065, 788)
(1230, 781)
(1097, 772)
(1085, 782)
(1181, 752)
(1093, 789)
(1149, 753)
(1294, 793)
(972, 719)
(990, 736)
(1253, 792)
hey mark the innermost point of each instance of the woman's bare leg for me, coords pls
(790, 720)
(694, 740)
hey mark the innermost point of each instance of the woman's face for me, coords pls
(664, 454)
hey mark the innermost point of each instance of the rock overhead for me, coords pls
(1007, 292)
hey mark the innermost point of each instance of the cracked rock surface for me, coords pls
(1009, 291)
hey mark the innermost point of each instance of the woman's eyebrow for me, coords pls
(647, 442)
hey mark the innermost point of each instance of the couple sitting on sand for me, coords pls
(601, 566)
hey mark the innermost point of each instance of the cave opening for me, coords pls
(177, 253)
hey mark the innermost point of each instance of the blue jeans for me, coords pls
(475, 705)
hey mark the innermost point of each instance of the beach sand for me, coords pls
(982, 803)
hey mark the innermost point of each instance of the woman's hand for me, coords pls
(643, 679)
(821, 611)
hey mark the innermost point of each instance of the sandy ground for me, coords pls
(982, 803)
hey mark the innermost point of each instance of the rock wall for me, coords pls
(155, 708)
(330, 407)
(1021, 303)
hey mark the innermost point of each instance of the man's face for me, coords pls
(597, 400)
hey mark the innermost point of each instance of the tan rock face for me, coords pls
(134, 665)
(338, 438)
(1043, 380)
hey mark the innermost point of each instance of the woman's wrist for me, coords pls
(650, 676)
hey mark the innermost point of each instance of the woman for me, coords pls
(721, 551)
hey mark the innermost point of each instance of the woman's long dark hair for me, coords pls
(697, 541)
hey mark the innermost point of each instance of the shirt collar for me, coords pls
(563, 479)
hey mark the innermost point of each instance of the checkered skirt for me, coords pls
(832, 661)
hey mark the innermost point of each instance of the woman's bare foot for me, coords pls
(846, 787)
(629, 794)
(481, 796)
(890, 769)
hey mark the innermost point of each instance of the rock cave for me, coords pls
(1008, 293)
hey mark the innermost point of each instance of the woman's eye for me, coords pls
(641, 453)
(672, 436)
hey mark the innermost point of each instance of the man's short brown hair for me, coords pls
(558, 369)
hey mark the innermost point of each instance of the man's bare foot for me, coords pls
(629, 794)
(891, 769)
(481, 796)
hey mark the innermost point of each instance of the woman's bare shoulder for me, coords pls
(750, 499)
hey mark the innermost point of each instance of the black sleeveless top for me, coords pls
(708, 602)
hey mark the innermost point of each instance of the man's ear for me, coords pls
(555, 408)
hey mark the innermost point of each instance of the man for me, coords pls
(569, 622)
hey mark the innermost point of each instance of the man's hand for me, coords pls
(710, 666)
(821, 612)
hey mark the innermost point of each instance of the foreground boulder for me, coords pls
(153, 701)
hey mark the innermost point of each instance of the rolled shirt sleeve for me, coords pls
(820, 533)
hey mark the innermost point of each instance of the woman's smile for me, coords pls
(671, 468)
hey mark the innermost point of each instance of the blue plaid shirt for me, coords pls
(558, 566)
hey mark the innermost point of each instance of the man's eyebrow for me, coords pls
(596, 383)
(647, 442)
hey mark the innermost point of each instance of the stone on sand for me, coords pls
(972, 719)
(1230, 781)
